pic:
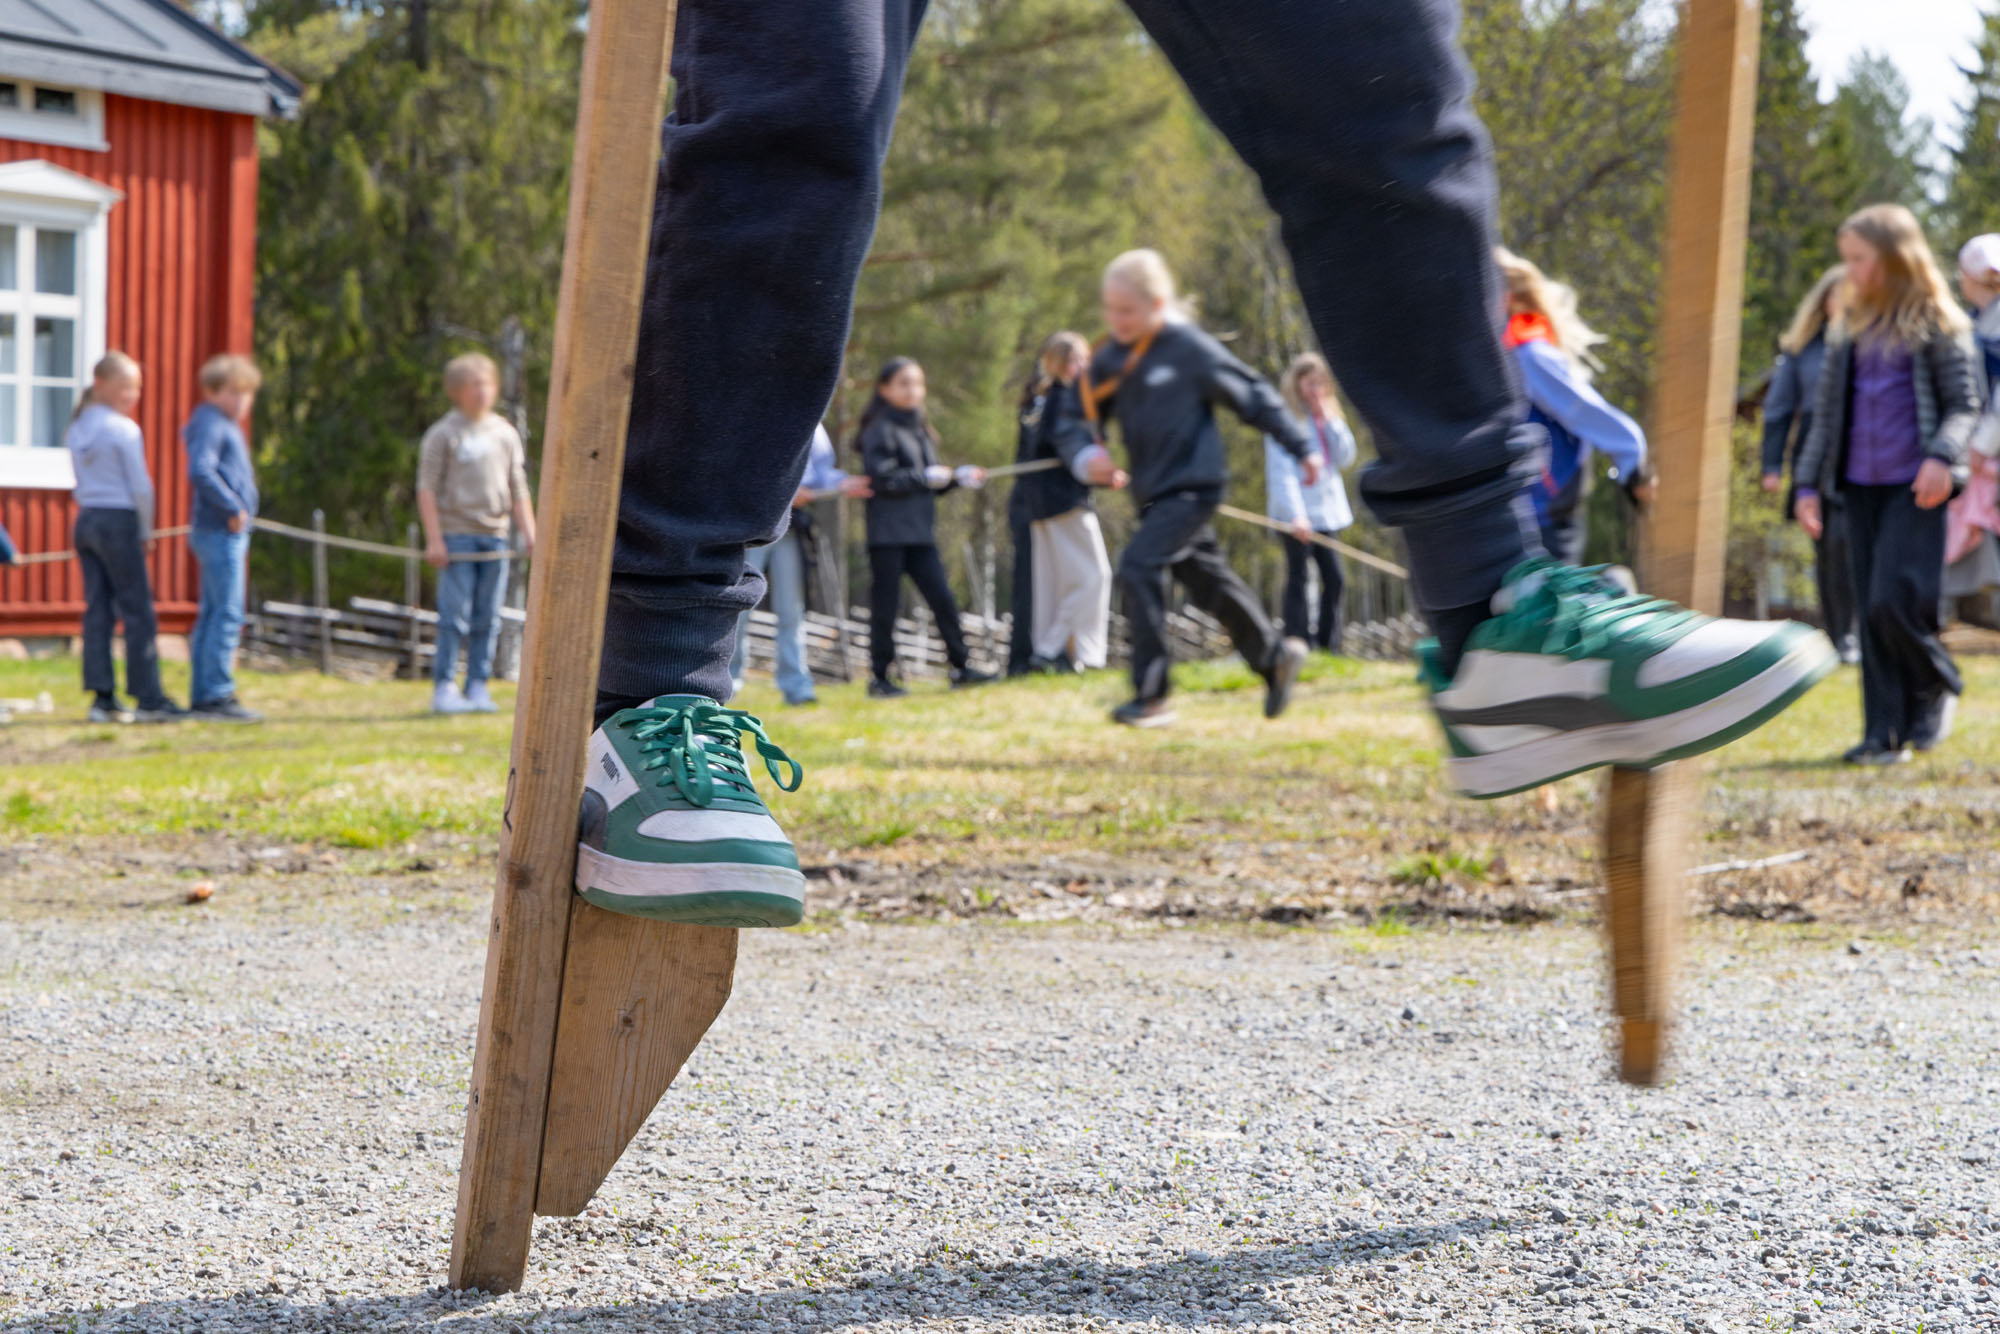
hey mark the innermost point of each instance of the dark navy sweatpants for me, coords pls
(1356, 117)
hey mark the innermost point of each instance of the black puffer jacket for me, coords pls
(1165, 406)
(1052, 427)
(1945, 368)
(895, 450)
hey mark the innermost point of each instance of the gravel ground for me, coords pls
(247, 1118)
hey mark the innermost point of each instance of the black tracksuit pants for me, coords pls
(1021, 606)
(116, 588)
(1175, 539)
(886, 567)
(1896, 551)
(1297, 612)
(1357, 119)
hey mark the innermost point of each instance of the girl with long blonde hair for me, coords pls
(1318, 506)
(1554, 350)
(1893, 415)
(1788, 416)
(1160, 377)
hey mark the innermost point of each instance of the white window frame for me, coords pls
(38, 194)
(84, 130)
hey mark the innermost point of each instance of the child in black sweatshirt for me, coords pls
(1161, 378)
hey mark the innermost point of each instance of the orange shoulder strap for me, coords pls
(1095, 394)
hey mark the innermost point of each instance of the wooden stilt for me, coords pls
(597, 323)
(1649, 816)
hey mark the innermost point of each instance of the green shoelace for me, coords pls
(1587, 611)
(700, 745)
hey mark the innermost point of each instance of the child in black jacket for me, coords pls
(899, 452)
(1161, 378)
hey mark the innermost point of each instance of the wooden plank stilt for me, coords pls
(1649, 816)
(637, 997)
(597, 324)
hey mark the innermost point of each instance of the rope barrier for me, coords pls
(1352, 553)
(287, 530)
(1231, 511)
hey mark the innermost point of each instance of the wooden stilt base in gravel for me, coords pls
(605, 1007)
(1645, 872)
(1649, 816)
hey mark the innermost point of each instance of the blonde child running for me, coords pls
(1160, 378)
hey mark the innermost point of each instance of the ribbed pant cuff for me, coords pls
(652, 650)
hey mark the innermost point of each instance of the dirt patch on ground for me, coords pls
(1815, 870)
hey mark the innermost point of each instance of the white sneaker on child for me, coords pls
(478, 699)
(447, 699)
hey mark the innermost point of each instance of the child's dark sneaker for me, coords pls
(962, 677)
(109, 711)
(1934, 727)
(1282, 673)
(1143, 713)
(162, 710)
(672, 827)
(227, 710)
(883, 688)
(1572, 672)
(1875, 753)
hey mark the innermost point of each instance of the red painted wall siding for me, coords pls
(182, 257)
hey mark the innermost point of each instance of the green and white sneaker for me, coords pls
(1573, 672)
(671, 826)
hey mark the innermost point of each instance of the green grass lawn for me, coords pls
(1345, 790)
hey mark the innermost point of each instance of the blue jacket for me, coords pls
(218, 460)
(1324, 504)
(1794, 380)
(1579, 422)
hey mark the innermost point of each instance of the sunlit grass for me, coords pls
(1348, 783)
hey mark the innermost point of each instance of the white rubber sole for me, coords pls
(601, 873)
(1646, 741)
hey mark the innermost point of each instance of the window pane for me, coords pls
(6, 344)
(55, 262)
(52, 409)
(9, 278)
(57, 101)
(10, 96)
(55, 348)
(7, 414)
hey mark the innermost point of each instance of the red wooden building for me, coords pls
(128, 219)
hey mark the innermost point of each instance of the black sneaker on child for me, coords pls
(162, 710)
(107, 709)
(1875, 753)
(1935, 725)
(226, 710)
(1282, 673)
(962, 677)
(1143, 713)
(883, 688)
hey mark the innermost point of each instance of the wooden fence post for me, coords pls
(320, 593)
(1649, 814)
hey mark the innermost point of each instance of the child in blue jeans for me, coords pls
(1357, 118)
(225, 507)
(472, 481)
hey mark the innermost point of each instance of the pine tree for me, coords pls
(1972, 204)
(1791, 220)
(415, 206)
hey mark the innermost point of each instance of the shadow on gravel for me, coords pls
(955, 1287)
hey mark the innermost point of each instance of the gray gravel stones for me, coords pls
(217, 1122)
